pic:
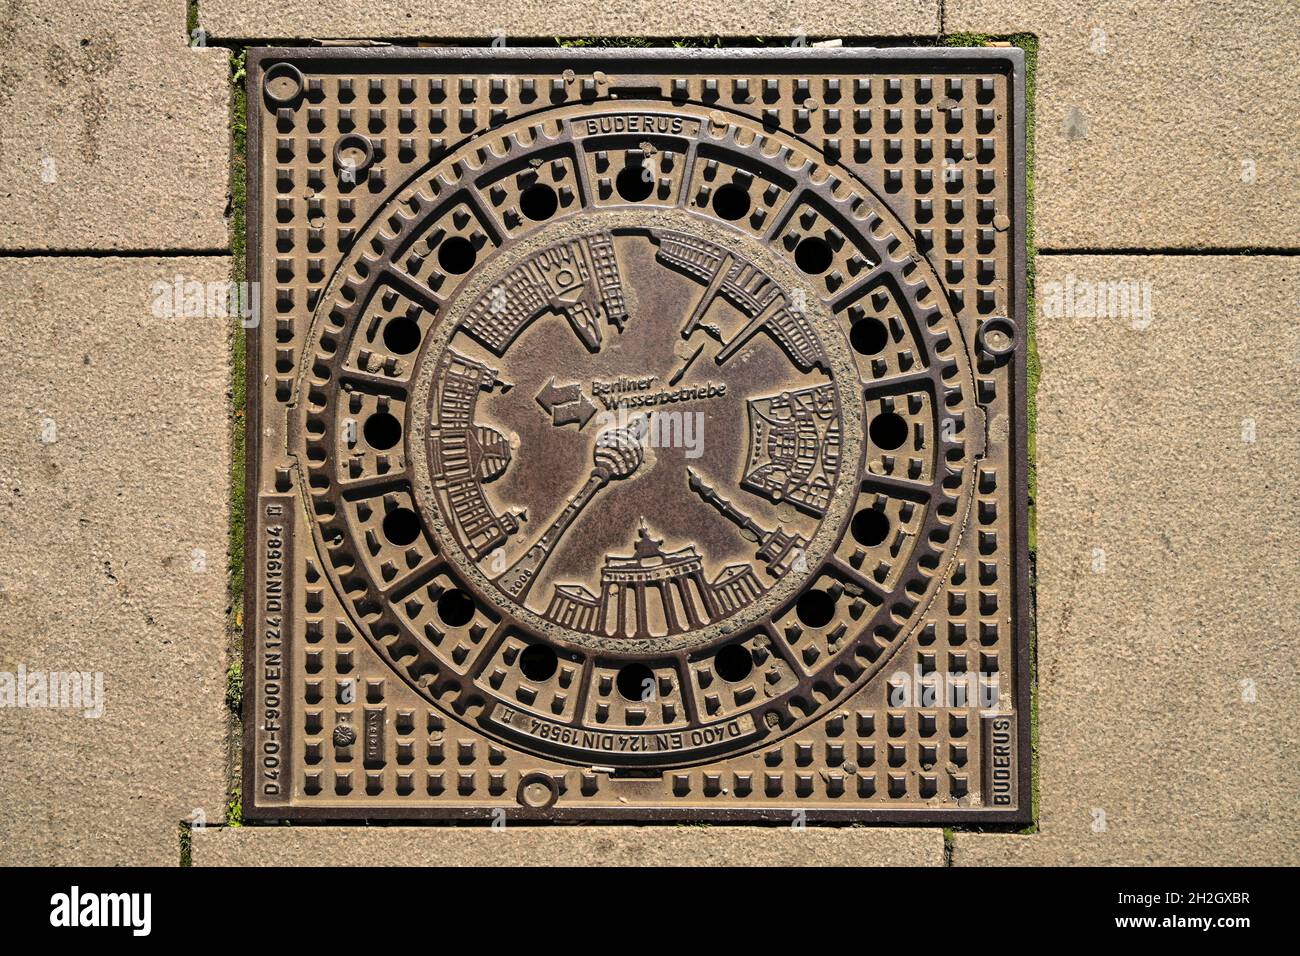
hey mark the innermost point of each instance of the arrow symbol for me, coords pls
(553, 395)
(566, 404)
(579, 411)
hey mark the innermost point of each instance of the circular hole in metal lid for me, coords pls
(353, 154)
(538, 791)
(996, 336)
(283, 84)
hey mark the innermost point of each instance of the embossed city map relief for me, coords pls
(637, 435)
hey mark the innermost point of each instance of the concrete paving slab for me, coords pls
(116, 134)
(1167, 482)
(567, 846)
(1159, 124)
(538, 19)
(113, 558)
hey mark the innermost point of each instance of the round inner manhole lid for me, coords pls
(670, 477)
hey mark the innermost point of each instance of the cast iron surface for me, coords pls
(637, 435)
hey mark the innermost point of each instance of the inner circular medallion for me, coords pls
(636, 432)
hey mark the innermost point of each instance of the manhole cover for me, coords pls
(637, 436)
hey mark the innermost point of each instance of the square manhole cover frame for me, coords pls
(386, 753)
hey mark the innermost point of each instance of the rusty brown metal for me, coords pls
(637, 434)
